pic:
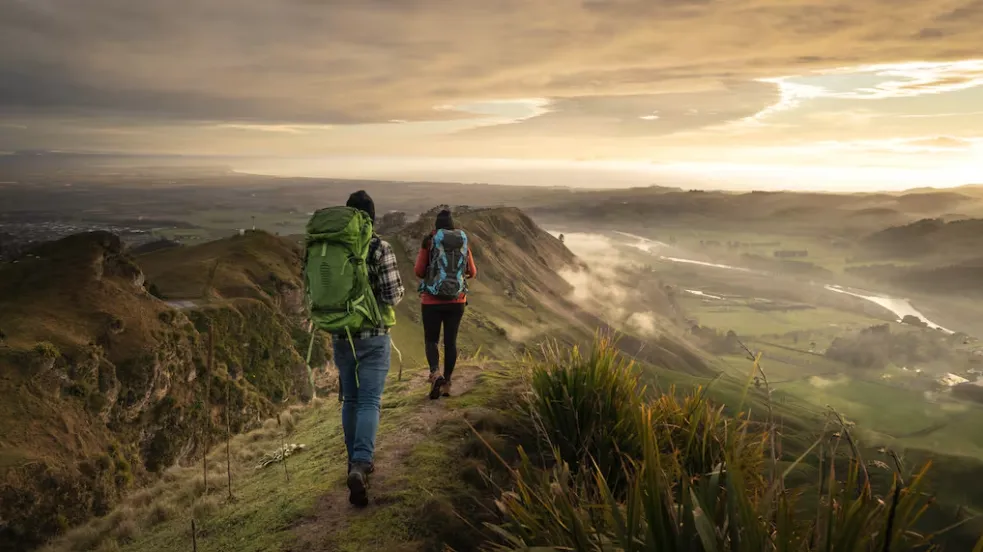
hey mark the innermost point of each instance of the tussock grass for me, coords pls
(678, 474)
(126, 530)
(585, 408)
(179, 493)
(83, 538)
(288, 422)
(205, 507)
(159, 512)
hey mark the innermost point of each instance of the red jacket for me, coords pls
(420, 269)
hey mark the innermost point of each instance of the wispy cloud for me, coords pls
(916, 79)
(288, 129)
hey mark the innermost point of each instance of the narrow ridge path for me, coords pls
(321, 531)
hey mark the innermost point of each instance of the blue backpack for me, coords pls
(448, 261)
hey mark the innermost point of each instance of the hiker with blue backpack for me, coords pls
(353, 284)
(443, 263)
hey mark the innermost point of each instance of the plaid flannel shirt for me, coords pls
(385, 281)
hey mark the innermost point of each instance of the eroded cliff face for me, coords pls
(104, 385)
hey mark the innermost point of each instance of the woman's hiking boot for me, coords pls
(445, 389)
(358, 484)
(438, 385)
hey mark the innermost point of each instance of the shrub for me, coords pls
(152, 289)
(46, 350)
(77, 390)
(96, 402)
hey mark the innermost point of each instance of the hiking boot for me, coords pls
(438, 384)
(445, 390)
(358, 484)
(369, 471)
(433, 376)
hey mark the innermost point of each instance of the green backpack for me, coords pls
(336, 275)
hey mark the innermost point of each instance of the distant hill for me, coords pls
(925, 237)
(929, 255)
(153, 246)
(256, 265)
(842, 214)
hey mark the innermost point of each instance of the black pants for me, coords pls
(450, 316)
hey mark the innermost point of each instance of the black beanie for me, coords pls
(361, 200)
(444, 221)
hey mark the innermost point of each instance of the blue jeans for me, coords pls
(362, 396)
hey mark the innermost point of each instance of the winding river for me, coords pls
(900, 307)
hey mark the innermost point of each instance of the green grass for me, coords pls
(747, 322)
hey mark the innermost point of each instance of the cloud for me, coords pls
(943, 142)
(289, 129)
(641, 115)
(373, 61)
(927, 145)
(916, 79)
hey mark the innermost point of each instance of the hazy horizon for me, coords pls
(614, 174)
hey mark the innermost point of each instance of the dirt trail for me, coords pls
(332, 512)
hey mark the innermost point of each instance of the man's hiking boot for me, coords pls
(369, 471)
(445, 390)
(358, 484)
(435, 389)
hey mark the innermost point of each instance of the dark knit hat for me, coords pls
(361, 200)
(444, 221)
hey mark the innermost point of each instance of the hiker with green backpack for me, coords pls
(353, 284)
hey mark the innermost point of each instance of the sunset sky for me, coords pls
(793, 93)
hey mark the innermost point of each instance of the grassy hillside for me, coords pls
(521, 456)
(103, 385)
(107, 379)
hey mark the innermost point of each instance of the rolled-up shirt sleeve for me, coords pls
(390, 284)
